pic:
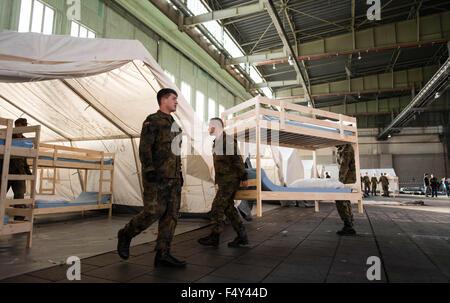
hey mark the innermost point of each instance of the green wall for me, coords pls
(107, 23)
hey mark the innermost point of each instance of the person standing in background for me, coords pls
(426, 184)
(434, 183)
(374, 183)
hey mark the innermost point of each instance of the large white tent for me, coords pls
(95, 93)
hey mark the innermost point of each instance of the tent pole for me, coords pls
(82, 183)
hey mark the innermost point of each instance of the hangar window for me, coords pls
(78, 30)
(186, 91)
(36, 17)
(211, 109)
(200, 105)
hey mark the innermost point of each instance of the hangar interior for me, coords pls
(388, 68)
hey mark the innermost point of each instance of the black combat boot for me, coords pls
(211, 240)
(241, 239)
(164, 258)
(347, 230)
(123, 244)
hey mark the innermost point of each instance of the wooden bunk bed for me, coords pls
(54, 157)
(15, 148)
(294, 126)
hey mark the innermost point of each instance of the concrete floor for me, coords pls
(288, 244)
(57, 237)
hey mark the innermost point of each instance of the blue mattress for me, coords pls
(267, 185)
(19, 143)
(107, 161)
(346, 132)
(85, 198)
(6, 219)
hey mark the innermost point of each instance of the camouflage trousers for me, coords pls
(386, 190)
(374, 190)
(161, 202)
(223, 205)
(366, 188)
(344, 208)
(19, 188)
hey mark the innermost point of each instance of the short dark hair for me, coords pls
(20, 121)
(217, 119)
(165, 92)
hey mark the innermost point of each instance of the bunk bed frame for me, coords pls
(293, 126)
(10, 150)
(53, 157)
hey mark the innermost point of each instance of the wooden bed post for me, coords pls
(84, 184)
(100, 189)
(5, 171)
(316, 203)
(41, 176)
(33, 185)
(258, 162)
(358, 174)
(54, 181)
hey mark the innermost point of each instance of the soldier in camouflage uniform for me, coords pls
(366, 181)
(347, 175)
(385, 185)
(374, 183)
(162, 181)
(230, 171)
(18, 166)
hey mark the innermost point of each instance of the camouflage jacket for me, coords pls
(18, 166)
(346, 160)
(384, 181)
(374, 180)
(366, 180)
(160, 146)
(228, 163)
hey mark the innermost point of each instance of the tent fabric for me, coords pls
(96, 93)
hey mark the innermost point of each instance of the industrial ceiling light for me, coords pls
(359, 95)
(274, 66)
(437, 95)
(389, 136)
(359, 56)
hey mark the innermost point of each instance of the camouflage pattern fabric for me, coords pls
(344, 209)
(347, 175)
(161, 201)
(228, 163)
(374, 183)
(385, 185)
(160, 146)
(17, 166)
(223, 205)
(346, 160)
(366, 181)
(159, 152)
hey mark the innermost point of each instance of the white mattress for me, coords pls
(316, 183)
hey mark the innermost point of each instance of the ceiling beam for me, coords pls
(402, 79)
(276, 21)
(225, 13)
(343, 44)
(345, 21)
(277, 58)
(277, 83)
(437, 84)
